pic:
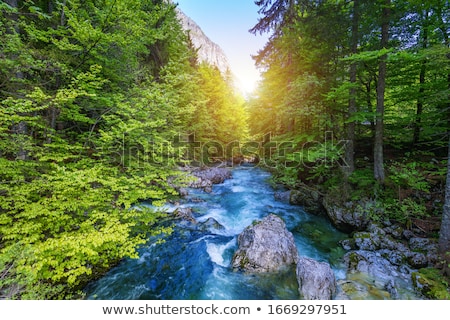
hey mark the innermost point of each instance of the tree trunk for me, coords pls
(444, 234)
(423, 69)
(443, 29)
(368, 98)
(381, 87)
(419, 111)
(352, 109)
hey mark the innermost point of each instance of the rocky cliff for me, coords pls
(209, 51)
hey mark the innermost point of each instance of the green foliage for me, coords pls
(408, 176)
(362, 179)
(407, 180)
(321, 73)
(363, 184)
(285, 176)
(92, 97)
(404, 211)
(73, 223)
(222, 118)
(431, 283)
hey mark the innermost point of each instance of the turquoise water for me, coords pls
(195, 264)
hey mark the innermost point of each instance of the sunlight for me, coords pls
(247, 82)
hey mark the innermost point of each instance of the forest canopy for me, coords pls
(373, 76)
(94, 96)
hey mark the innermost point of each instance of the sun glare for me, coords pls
(247, 82)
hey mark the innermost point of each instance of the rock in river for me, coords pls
(316, 280)
(265, 246)
(205, 178)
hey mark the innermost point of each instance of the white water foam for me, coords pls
(216, 252)
(236, 189)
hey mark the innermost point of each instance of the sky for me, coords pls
(226, 22)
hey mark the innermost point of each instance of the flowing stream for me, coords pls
(194, 262)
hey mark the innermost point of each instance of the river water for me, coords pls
(194, 262)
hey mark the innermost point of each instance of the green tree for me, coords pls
(444, 235)
(374, 73)
(102, 88)
(224, 118)
(381, 87)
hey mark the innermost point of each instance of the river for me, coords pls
(194, 263)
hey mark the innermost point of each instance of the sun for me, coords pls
(247, 82)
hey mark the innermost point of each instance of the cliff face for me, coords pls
(208, 51)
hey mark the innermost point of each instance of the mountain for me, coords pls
(208, 51)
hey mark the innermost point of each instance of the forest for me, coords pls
(94, 95)
(99, 97)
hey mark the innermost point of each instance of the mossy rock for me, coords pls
(431, 284)
(353, 260)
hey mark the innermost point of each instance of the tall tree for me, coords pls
(106, 86)
(379, 172)
(423, 70)
(352, 108)
(444, 235)
(275, 15)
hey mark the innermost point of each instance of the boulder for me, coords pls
(283, 196)
(417, 260)
(316, 280)
(360, 289)
(366, 241)
(348, 217)
(348, 244)
(375, 265)
(183, 192)
(407, 234)
(395, 257)
(206, 178)
(184, 214)
(391, 287)
(265, 246)
(308, 198)
(396, 231)
(211, 225)
(215, 174)
(423, 245)
(351, 290)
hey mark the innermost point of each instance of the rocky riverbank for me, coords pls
(387, 254)
(380, 258)
(204, 178)
(267, 246)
